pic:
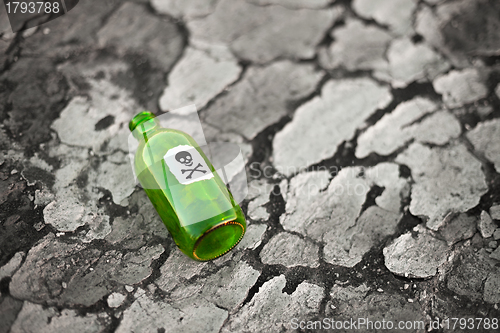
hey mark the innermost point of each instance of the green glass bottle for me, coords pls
(190, 197)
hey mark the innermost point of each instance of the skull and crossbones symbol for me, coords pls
(185, 158)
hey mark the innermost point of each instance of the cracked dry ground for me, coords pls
(376, 122)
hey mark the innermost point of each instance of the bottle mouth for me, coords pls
(218, 240)
(139, 119)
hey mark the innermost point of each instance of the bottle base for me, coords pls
(218, 240)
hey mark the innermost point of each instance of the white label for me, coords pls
(187, 165)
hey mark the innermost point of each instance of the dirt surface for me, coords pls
(371, 135)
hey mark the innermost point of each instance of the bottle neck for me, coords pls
(145, 129)
(143, 125)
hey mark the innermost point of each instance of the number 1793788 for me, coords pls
(38, 7)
